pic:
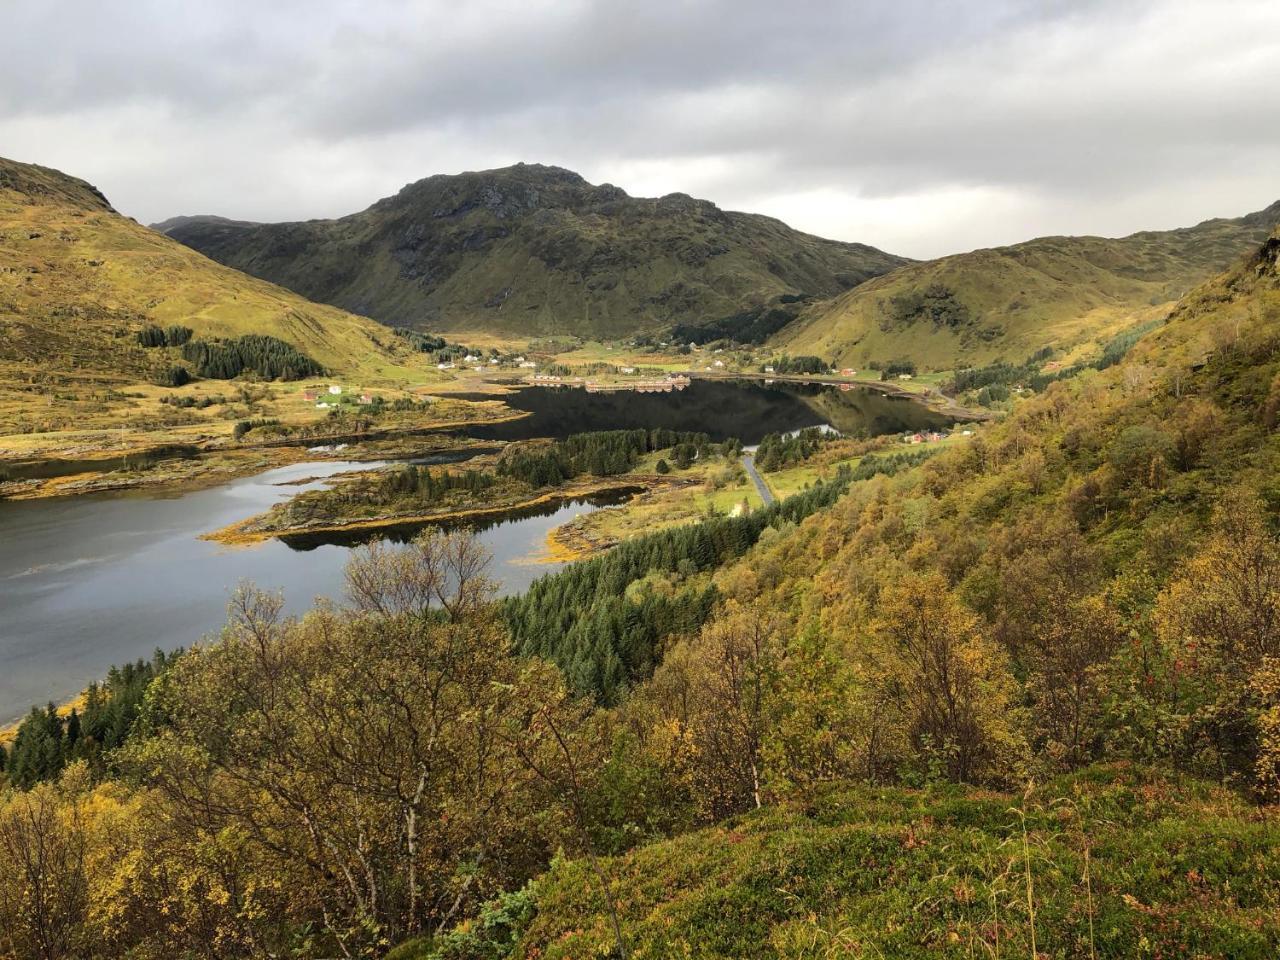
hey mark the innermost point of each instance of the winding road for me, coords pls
(749, 464)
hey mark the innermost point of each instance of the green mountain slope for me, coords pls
(78, 281)
(1009, 302)
(1059, 612)
(531, 249)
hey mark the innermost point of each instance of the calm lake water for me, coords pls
(745, 409)
(91, 581)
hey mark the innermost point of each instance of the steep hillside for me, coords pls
(78, 282)
(1095, 580)
(1009, 302)
(858, 871)
(531, 249)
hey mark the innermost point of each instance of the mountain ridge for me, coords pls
(538, 249)
(1008, 302)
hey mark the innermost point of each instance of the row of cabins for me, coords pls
(846, 372)
(666, 385)
(931, 436)
(474, 363)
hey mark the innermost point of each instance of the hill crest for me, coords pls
(1006, 303)
(537, 249)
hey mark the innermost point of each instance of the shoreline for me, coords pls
(9, 729)
(238, 535)
(935, 401)
(201, 468)
(204, 470)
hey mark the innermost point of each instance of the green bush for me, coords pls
(174, 376)
(491, 935)
(1115, 862)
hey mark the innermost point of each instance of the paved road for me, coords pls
(749, 463)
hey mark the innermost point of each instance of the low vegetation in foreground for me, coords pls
(1113, 861)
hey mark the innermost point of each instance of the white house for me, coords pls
(335, 390)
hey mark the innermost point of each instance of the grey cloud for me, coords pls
(1066, 110)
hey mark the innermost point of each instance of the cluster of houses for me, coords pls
(931, 436)
(478, 364)
(846, 372)
(332, 393)
(665, 385)
(927, 436)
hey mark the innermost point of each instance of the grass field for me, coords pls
(1071, 293)
(77, 283)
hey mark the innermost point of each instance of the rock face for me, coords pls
(38, 184)
(538, 250)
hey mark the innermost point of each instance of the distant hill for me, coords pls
(531, 249)
(78, 281)
(1009, 302)
(177, 223)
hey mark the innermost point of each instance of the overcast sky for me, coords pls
(920, 127)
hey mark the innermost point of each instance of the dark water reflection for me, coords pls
(746, 409)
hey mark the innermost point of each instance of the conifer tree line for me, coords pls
(582, 619)
(777, 450)
(1002, 373)
(268, 357)
(419, 482)
(46, 741)
(174, 335)
(424, 342)
(801, 364)
(440, 349)
(605, 453)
